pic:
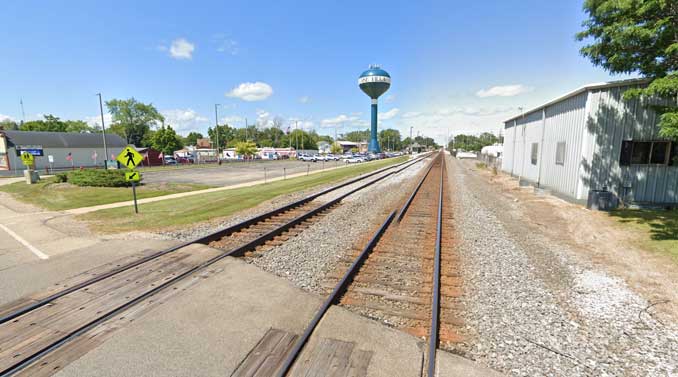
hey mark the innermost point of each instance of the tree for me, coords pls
(132, 119)
(166, 141)
(8, 125)
(78, 126)
(637, 37)
(336, 148)
(246, 148)
(225, 135)
(357, 136)
(50, 123)
(192, 138)
(390, 139)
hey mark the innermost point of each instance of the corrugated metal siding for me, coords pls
(565, 122)
(528, 130)
(508, 157)
(613, 121)
(593, 124)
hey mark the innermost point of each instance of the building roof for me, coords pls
(585, 88)
(63, 139)
(345, 142)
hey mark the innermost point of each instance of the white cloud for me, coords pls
(231, 120)
(95, 120)
(303, 124)
(339, 120)
(5, 117)
(304, 99)
(181, 49)
(504, 91)
(389, 114)
(389, 98)
(226, 45)
(411, 115)
(251, 91)
(184, 121)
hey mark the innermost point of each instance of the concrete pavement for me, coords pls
(210, 328)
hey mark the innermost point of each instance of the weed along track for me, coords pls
(406, 274)
(41, 334)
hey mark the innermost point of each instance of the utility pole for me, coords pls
(23, 113)
(296, 136)
(411, 139)
(246, 127)
(103, 130)
(216, 129)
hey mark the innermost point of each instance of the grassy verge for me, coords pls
(61, 196)
(659, 229)
(193, 209)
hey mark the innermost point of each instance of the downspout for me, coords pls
(541, 146)
(513, 159)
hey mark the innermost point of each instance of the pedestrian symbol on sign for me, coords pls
(129, 157)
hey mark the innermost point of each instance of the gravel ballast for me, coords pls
(308, 257)
(533, 308)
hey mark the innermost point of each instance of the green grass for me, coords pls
(659, 229)
(203, 207)
(61, 196)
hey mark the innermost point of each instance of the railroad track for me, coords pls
(81, 314)
(406, 275)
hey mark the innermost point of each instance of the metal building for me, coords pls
(64, 149)
(593, 139)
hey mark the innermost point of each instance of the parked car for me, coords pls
(169, 160)
(354, 159)
(306, 157)
(331, 157)
(185, 160)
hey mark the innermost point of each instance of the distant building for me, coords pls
(65, 149)
(593, 139)
(203, 143)
(347, 146)
(324, 147)
(151, 156)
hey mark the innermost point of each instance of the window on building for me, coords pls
(560, 153)
(535, 153)
(647, 152)
(660, 152)
(641, 152)
(673, 157)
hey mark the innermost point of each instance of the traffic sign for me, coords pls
(132, 176)
(130, 157)
(27, 158)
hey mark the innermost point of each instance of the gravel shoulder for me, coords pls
(536, 305)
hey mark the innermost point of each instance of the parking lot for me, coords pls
(230, 173)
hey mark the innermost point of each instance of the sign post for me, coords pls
(131, 158)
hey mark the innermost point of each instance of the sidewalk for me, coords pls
(78, 211)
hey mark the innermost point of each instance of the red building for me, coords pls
(151, 157)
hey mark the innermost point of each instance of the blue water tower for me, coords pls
(374, 82)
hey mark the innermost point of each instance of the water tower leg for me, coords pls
(374, 142)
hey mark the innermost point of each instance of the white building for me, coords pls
(593, 139)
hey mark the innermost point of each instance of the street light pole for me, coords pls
(216, 129)
(103, 130)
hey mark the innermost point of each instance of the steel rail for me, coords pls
(338, 290)
(401, 214)
(235, 251)
(435, 299)
(202, 240)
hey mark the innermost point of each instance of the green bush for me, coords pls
(98, 178)
(61, 178)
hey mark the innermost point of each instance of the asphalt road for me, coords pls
(230, 173)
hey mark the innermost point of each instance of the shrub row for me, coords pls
(97, 178)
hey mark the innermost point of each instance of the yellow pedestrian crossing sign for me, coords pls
(132, 176)
(27, 158)
(129, 157)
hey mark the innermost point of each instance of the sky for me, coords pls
(456, 66)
